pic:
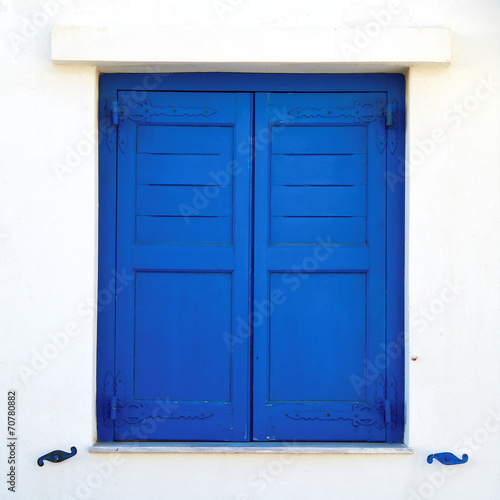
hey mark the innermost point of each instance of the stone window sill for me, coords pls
(296, 448)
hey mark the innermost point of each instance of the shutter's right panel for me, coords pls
(319, 261)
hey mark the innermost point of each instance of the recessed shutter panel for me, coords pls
(184, 242)
(320, 267)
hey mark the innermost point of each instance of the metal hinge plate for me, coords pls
(382, 414)
(119, 112)
(113, 397)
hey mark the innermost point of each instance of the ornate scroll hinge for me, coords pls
(118, 412)
(385, 116)
(118, 112)
(382, 414)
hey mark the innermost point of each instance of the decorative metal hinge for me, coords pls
(385, 116)
(111, 121)
(118, 412)
(114, 396)
(391, 123)
(115, 112)
(382, 414)
(118, 112)
(388, 114)
(112, 409)
(390, 405)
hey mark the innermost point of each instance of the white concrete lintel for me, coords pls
(251, 49)
(297, 448)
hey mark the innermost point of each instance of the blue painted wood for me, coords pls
(200, 257)
(245, 82)
(181, 356)
(319, 257)
(295, 252)
(307, 230)
(315, 170)
(335, 140)
(395, 296)
(184, 169)
(175, 321)
(173, 139)
(181, 230)
(326, 309)
(317, 201)
(183, 200)
(317, 336)
(107, 267)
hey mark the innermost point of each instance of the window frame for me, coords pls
(109, 280)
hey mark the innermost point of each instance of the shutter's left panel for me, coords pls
(184, 242)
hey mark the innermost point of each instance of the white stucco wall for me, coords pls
(48, 236)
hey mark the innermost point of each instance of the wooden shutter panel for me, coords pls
(185, 241)
(308, 250)
(320, 267)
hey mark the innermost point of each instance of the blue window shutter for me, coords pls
(320, 267)
(185, 243)
(258, 266)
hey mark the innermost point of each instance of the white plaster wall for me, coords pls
(48, 234)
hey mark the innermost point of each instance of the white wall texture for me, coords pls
(48, 259)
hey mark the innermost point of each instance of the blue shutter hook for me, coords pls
(57, 456)
(447, 458)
